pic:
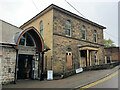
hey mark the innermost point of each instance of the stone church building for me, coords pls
(55, 39)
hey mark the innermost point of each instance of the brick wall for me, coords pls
(113, 52)
(47, 19)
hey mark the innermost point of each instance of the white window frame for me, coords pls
(96, 61)
(83, 29)
(68, 24)
(41, 24)
(26, 40)
(107, 60)
(96, 37)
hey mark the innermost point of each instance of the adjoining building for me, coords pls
(22, 53)
(55, 39)
(112, 55)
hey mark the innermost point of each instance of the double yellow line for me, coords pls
(100, 81)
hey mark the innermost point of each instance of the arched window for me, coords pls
(22, 40)
(83, 32)
(41, 28)
(95, 36)
(68, 28)
(26, 40)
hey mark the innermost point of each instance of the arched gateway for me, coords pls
(30, 53)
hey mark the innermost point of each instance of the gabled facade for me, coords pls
(73, 41)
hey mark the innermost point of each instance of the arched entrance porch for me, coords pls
(29, 54)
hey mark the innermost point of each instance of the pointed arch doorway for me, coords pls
(29, 54)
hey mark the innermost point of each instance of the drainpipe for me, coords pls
(78, 57)
(15, 74)
(39, 66)
(42, 65)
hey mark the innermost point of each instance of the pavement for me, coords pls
(74, 81)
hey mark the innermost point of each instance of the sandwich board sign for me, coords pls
(50, 75)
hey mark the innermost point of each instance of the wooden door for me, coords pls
(69, 59)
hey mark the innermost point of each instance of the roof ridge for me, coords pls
(53, 6)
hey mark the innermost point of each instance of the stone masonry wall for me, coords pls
(60, 47)
(61, 42)
(8, 64)
(76, 25)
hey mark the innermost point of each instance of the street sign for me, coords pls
(50, 75)
(79, 70)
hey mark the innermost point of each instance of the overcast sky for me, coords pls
(103, 12)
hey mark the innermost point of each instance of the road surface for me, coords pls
(74, 81)
(111, 81)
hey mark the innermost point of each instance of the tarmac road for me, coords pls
(75, 81)
(110, 83)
